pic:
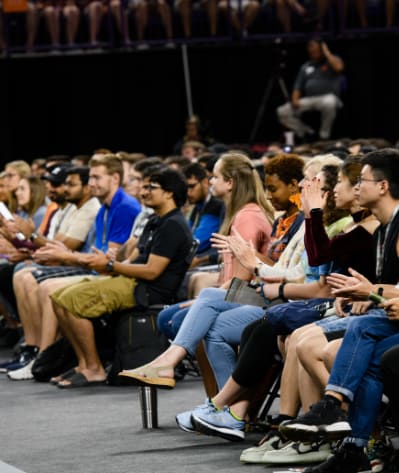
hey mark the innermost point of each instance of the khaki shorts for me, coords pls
(91, 298)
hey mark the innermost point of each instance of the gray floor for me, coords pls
(47, 430)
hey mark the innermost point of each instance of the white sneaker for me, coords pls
(299, 452)
(268, 443)
(142, 46)
(22, 373)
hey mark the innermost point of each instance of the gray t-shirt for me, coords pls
(317, 79)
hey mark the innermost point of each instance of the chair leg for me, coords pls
(267, 393)
(206, 371)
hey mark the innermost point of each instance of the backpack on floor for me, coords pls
(54, 360)
(137, 341)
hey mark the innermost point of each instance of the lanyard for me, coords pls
(105, 224)
(199, 213)
(382, 237)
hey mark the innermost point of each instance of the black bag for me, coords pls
(285, 318)
(54, 360)
(137, 341)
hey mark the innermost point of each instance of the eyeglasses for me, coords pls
(309, 179)
(191, 186)
(151, 187)
(135, 178)
(361, 179)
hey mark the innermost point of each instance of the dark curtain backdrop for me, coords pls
(136, 101)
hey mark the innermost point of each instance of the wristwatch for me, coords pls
(110, 266)
(33, 236)
(257, 268)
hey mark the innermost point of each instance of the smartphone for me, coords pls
(7, 215)
(376, 298)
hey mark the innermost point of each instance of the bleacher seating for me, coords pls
(266, 27)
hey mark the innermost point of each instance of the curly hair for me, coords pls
(287, 166)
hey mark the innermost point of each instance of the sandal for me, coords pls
(68, 374)
(149, 375)
(79, 380)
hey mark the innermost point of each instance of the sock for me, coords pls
(214, 405)
(275, 421)
(333, 399)
(235, 416)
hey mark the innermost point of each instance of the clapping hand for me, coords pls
(312, 197)
(97, 261)
(244, 251)
(355, 286)
(391, 307)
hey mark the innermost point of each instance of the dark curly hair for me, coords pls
(288, 167)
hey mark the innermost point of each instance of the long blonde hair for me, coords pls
(247, 187)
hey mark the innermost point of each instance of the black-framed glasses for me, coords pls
(361, 179)
(191, 186)
(150, 187)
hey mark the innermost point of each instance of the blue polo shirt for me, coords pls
(114, 223)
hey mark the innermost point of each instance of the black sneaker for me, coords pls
(348, 459)
(391, 464)
(324, 421)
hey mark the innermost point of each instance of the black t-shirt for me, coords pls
(317, 79)
(168, 236)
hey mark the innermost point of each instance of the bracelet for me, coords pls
(257, 268)
(281, 292)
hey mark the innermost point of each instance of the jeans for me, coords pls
(220, 323)
(170, 319)
(356, 370)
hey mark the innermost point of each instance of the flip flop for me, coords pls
(68, 374)
(79, 380)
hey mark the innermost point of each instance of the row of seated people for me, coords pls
(106, 19)
(330, 362)
(343, 204)
(70, 188)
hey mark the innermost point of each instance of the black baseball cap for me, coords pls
(57, 174)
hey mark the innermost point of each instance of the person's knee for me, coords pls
(283, 111)
(25, 280)
(328, 103)
(211, 294)
(44, 289)
(18, 279)
(306, 348)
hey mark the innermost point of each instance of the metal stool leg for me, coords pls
(149, 406)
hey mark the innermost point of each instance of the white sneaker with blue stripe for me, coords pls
(183, 420)
(219, 423)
